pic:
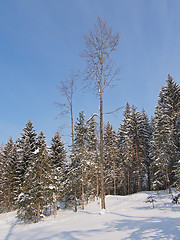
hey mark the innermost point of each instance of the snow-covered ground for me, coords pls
(126, 217)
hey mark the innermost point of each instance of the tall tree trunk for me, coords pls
(72, 140)
(100, 43)
(40, 179)
(101, 152)
(72, 127)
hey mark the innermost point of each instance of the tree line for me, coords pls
(141, 155)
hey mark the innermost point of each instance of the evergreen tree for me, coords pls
(145, 132)
(43, 183)
(110, 156)
(165, 136)
(27, 146)
(80, 153)
(74, 179)
(93, 168)
(122, 181)
(160, 159)
(177, 165)
(1, 179)
(37, 192)
(58, 164)
(137, 144)
(9, 186)
(134, 147)
(126, 153)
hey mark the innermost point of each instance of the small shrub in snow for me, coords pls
(151, 199)
(176, 198)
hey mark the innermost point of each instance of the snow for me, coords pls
(125, 217)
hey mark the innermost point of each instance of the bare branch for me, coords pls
(92, 116)
(99, 73)
(100, 43)
(116, 110)
(67, 89)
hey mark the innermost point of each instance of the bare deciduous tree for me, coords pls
(100, 43)
(67, 89)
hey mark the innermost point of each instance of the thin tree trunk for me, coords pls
(72, 121)
(75, 202)
(87, 191)
(38, 211)
(100, 43)
(40, 179)
(9, 197)
(168, 182)
(82, 198)
(54, 206)
(87, 199)
(114, 171)
(82, 189)
(97, 186)
(129, 183)
(72, 139)
(137, 160)
(101, 145)
(149, 179)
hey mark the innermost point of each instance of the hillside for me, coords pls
(126, 217)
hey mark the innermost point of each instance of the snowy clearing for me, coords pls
(126, 217)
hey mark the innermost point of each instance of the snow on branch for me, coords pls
(92, 116)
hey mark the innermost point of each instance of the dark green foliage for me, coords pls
(80, 154)
(58, 166)
(110, 158)
(133, 151)
(125, 154)
(27, 146)
(145, 132)
(85, 161)
(165, 142)
(92, 163)
(9, 184)
(37, 186)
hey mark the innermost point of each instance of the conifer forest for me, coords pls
(143, 155)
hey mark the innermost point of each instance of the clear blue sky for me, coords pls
(40, 41)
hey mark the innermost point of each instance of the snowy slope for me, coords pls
(126, 217)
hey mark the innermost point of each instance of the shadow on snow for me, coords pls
(135, 227)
